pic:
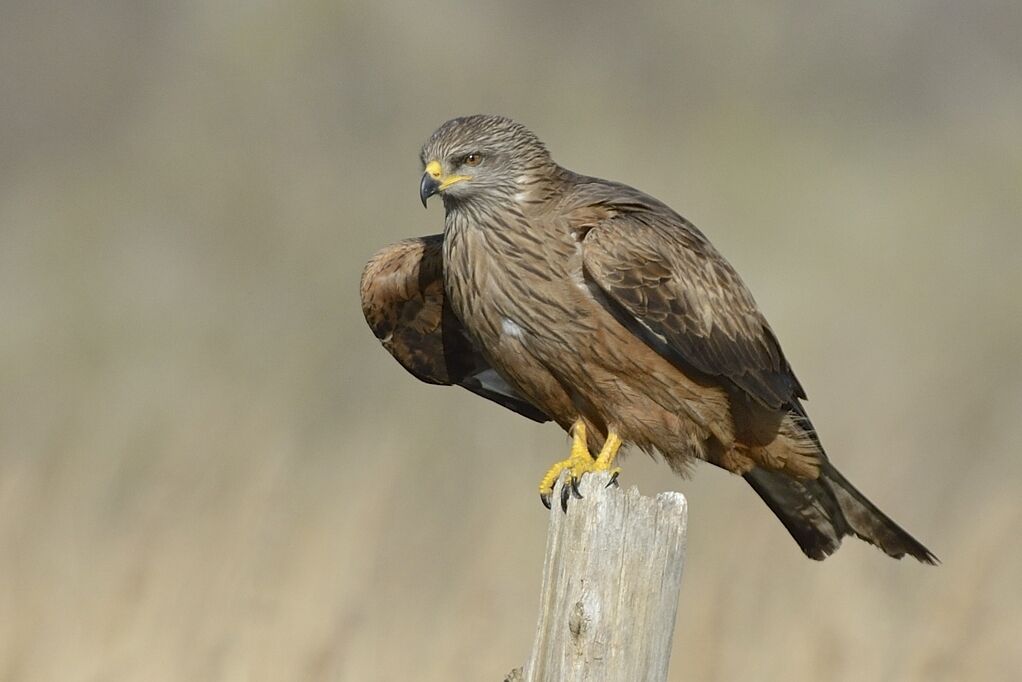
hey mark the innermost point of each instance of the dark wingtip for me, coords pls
(819, 513)
(920, 553)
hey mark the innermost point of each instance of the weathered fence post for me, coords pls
(611, 579)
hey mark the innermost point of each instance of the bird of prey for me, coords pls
(587, 302)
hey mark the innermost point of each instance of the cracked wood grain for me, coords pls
(611, 579)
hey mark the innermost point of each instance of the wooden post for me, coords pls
(611, 579)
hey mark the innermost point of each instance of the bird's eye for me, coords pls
(473, 159)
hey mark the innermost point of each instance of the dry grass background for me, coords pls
(209, 470)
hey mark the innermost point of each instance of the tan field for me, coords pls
(210, 469)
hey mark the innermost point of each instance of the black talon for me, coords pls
(565, 493)
(574, 488)
(613, 479)
(545, 499)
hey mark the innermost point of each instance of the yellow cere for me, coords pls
(434, 170)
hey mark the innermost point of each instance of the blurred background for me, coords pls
(210, 469)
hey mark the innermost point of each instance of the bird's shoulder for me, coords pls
(634, 222)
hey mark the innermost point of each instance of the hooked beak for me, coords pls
(434, 181)
(428, 187)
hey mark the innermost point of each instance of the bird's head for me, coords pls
(481, 156)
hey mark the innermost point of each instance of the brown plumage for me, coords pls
(403, 300)
(588, 302)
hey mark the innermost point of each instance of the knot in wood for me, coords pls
(578, 621)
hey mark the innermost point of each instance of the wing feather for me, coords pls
(661, 277)
(403, 302)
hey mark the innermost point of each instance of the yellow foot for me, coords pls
(580, 462)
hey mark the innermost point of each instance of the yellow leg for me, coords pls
(605, 460)
(580, 462)
(578, 459)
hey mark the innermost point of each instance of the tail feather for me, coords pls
(820, 512)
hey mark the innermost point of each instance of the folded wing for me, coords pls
(663, 279)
